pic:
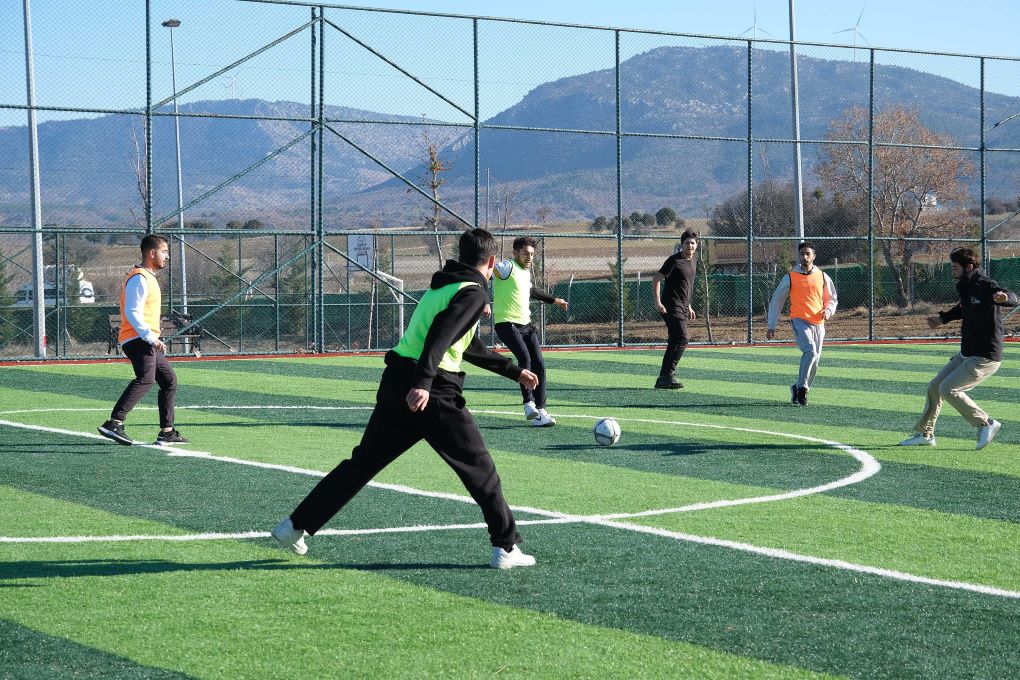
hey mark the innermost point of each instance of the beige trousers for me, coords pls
(952, 383)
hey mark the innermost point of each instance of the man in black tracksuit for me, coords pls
(980, 350)
(420, 397)
(674, 305)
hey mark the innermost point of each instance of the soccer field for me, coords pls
(727, 534)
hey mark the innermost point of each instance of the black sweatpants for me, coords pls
(523, 342)
(151, 367)
(676, 343)
(392, 429)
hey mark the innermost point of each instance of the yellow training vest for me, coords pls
(807, 296)
(153, 305)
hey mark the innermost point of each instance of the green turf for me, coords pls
(603, 602)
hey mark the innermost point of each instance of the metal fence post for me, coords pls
(750, 202)
(619, 199)
(871, 197)
(981, 152)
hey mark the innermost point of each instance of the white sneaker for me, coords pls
(501, 559)
(290, 538)
(530, 411)
(919, 439)
(543, 420)
(986, 433)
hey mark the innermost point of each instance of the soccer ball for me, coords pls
(606, 431)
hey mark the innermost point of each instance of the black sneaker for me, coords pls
(668, 382)
(793, 394)
(171, 437)
(802, 396)
(111, 429)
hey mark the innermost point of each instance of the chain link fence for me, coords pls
(314, 164)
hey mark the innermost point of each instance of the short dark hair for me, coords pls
(689, 233)
(476, 246)
(806, 244)
(965, 256)
(522, 241)
(152, 241)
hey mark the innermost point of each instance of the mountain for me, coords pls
(701, 92)
(87, 166)
(695, 91)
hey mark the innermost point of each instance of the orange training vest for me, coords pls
(153, 304)
(807, 296)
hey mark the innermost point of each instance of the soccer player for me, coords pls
(980, 350)
(420, 397)
(140, 305)
(812, 303)
(674, 305)
(512, 291)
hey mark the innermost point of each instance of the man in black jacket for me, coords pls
(980, 350)
(420, 397)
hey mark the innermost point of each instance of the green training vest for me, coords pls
(511, 297)
(434, 301)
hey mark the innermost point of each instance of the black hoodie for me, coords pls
(463, 312)
(981, 332)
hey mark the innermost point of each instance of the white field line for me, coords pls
(605, 521)
(215, 536)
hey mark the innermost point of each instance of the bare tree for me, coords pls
(918, 189)
(141, 178)
(508, 204)
(431, 182)
(542, 213)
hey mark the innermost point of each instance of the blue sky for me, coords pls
(91, 54)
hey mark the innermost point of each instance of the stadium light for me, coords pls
(172, 24)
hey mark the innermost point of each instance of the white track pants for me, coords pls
(809, 339)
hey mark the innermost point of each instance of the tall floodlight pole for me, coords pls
(172, 24)
(798, 194)
(38, 285)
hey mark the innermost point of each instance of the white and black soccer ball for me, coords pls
(606, 431)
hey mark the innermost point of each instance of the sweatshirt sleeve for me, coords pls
(778, 300)
(483, 357)
(541, 296)
(447, 327)
(952, 314)
(829, 296)
(135, 290)
(1011, 297)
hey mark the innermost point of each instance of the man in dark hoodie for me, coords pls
(420, 397)
(980, 350)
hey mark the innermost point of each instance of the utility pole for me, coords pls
(38, 285)
(798, 187)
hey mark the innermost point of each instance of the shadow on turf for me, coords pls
(75, 568)
(664, 449)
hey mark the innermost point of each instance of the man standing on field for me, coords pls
(980, 350)
(421, 397)
(674, 305)
(140, 308)
(512, 291)
(812, 303)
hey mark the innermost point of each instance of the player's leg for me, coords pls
(817, 332)
(392, 429)
(808, 358)
(676, 343)
(510, 335)
(166, 378)
(143, 363)
(924, 428)
(451, 430)
(970, 373)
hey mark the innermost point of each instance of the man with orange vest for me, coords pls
(812, 303)
(140, 306)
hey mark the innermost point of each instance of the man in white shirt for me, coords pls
(140, 313)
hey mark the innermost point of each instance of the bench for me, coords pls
(167, 327)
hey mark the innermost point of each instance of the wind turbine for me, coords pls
(753, 30)
(855, 29)
(228, 86)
